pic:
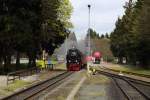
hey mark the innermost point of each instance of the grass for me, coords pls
(130, 68)
(54, 62)
(16, 85)
(61, 66)
(98, 80)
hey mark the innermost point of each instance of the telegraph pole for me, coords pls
(89, 38)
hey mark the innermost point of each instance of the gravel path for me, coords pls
(62, 91)
(94, 88)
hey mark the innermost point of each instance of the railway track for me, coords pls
(38, 88)
(132, 89)
(126, 72)
(143, 89)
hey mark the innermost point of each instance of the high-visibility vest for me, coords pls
(41, 63)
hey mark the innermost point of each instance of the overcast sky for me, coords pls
(104, 14)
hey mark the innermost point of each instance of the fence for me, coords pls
(17, 75)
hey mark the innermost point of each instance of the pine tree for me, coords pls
(131, 36)
(107, 36)
(143, 30)
(102, 36)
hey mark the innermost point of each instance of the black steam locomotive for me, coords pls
(74, 60)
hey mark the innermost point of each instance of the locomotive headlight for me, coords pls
(69, 61)
(76, 61)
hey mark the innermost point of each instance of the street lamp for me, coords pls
(89, 42)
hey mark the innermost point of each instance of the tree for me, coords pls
(103, 45)
(30, 26)
(117, 41)
(125, 34)
(93, 33)
(102, 36)
(56, 22)
(107, 36)
(143, 30)
(132, 33)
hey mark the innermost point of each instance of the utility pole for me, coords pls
(89, 38)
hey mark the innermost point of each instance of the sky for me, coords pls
(104, 14)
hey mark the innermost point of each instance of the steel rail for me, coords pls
(127, 80)
(126, 72)
(37, 88)
(143, 94)
(122, 76)
(124, 93)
